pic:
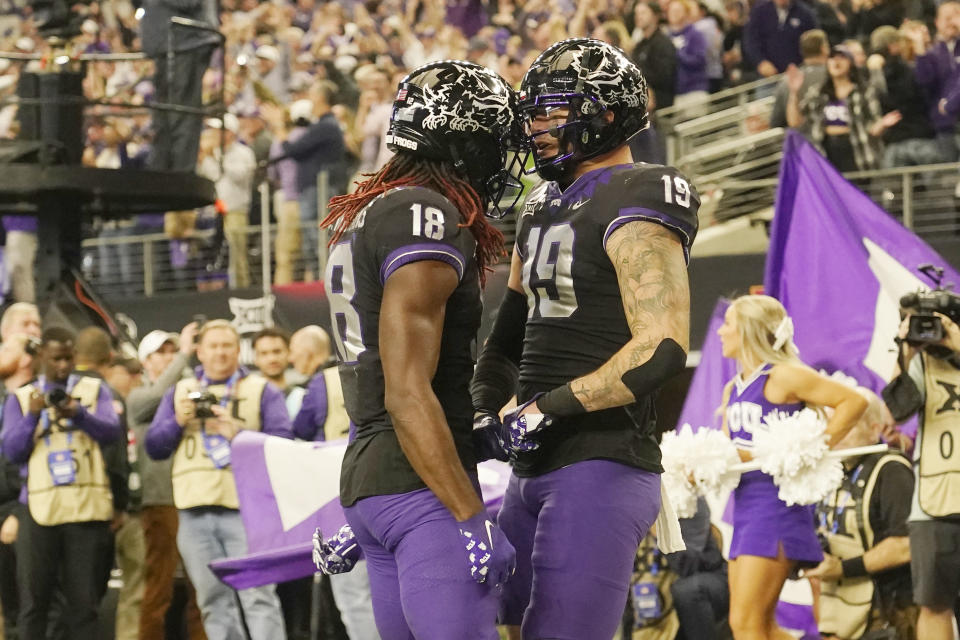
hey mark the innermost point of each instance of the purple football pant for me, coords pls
(576, 531)
(420, 579)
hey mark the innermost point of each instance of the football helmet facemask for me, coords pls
(604, 96)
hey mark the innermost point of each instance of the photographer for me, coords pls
(20, 336)
(928, 383)
(195, 423)
(56, 426)
(865, 574)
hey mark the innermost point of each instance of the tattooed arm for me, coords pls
(652, 275)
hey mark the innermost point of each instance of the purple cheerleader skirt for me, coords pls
(762, 523)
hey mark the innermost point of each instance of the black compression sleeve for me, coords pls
(495, 379)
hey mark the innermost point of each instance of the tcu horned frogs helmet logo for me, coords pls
(462, 113)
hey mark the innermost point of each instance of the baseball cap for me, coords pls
(152, 342)
(268, 52)
(841, 51)
(301, 110)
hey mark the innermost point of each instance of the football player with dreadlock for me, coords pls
(596, 317)
(409, 251)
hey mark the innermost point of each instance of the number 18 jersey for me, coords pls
(402, 226)
(576, 320)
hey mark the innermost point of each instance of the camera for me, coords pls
(57, 398)
(199, 320)
(32, 346)
(925, 327)
(203, 402)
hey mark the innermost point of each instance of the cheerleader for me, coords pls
(770, 540)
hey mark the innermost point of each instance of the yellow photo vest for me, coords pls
(337, 424)
(938, 472)
(197, 482)
(845, 604)
(88, 497)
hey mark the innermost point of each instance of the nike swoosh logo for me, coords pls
(577, 205)
(489, 526)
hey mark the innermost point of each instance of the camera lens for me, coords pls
(57, 398)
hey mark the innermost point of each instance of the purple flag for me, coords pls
(839, 265)
(289, 488)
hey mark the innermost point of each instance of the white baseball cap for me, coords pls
(268, 52)
(302, 110)
(152, 342)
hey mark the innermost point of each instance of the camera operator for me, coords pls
(195, 423)
(56, 426)
(927, 382)
(164, 357)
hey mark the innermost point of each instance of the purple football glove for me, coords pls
(337, 554)
(491, 556)
(488, 438)
(519, 431)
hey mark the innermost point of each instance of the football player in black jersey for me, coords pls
(596, 317)
(408, 254)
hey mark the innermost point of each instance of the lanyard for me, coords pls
(45, 414)
(228, 391)
(839, 503)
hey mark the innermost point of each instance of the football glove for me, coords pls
(491, 557)
(519, 431)
(488, 438)
(337, 554)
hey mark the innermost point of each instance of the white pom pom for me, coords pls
(792, 448)
(710, 460)
(675, 481)
(704, 455)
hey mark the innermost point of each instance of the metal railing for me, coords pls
(127, 265)
(739, 96)
(721, 126)
(922, 198)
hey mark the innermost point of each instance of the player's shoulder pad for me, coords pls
(403, 198)
(651, 193)
(410, 224)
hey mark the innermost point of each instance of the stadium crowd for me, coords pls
(310, 86)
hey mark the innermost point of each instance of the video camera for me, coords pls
(925, 327)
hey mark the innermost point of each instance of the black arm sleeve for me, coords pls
(890, 506)
(495, 379)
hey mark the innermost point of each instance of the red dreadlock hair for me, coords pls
(408, 170)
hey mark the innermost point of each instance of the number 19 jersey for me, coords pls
(399, 227)
(576, 320)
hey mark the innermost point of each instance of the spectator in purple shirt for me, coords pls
(771, 38)
(284, 173)
(937, 73)
(196, 422)
(691, 45)
(55, 427)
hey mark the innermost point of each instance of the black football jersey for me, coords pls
(576, 321)
(401, 226)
